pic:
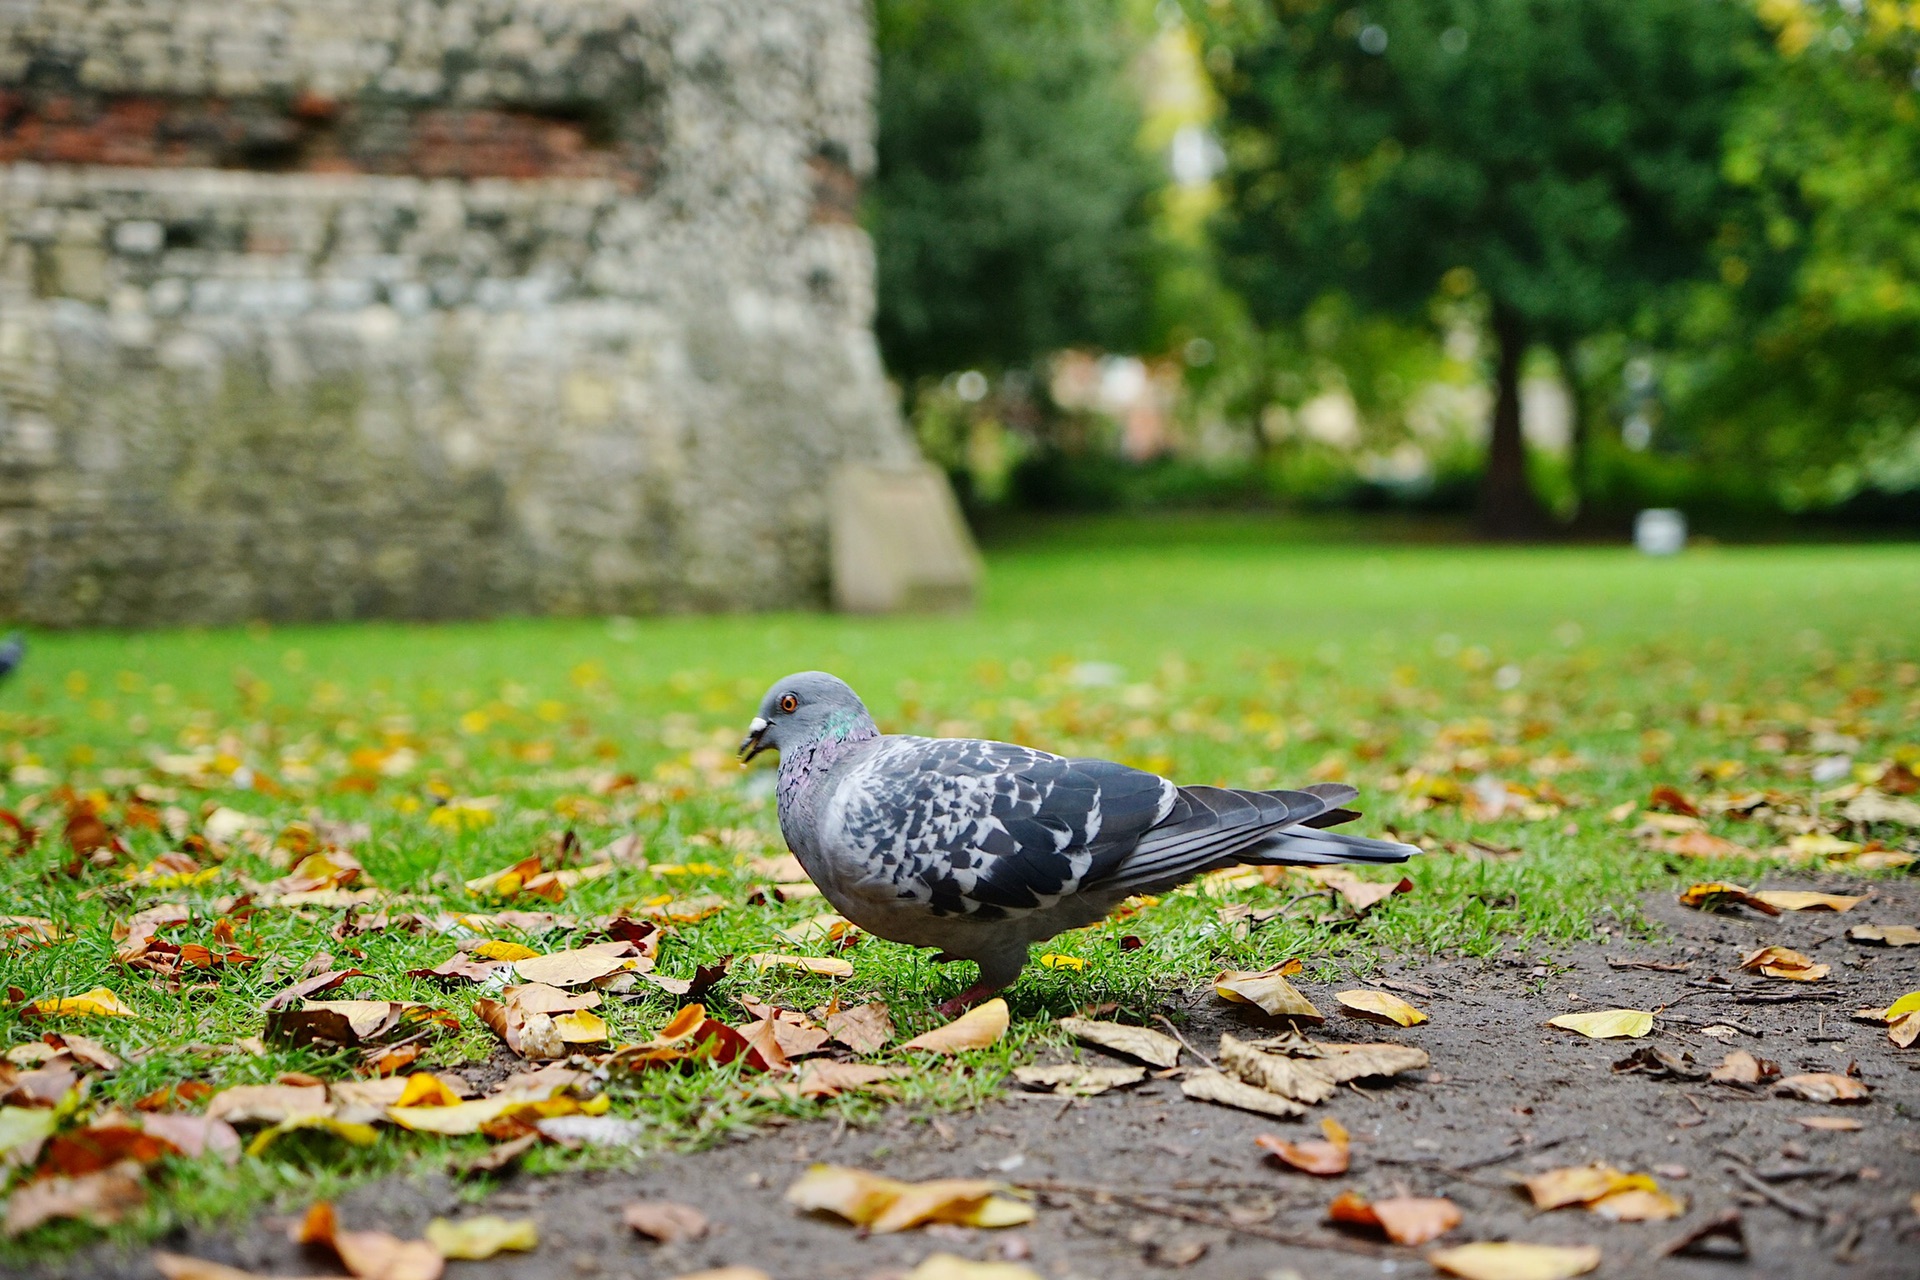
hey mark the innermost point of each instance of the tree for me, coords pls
(1562, 159)
(1009, 211)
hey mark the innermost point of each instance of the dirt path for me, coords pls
(1506, 1096)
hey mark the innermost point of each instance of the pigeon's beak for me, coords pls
(751, 746)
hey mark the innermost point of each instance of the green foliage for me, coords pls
(1009, 213)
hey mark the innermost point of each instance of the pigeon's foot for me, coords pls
(967, 999)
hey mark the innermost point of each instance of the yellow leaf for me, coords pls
(497, 949)
(459, 1118)
(1054, 960)
(1511, 1260)
(1908, 1003)
(581, 1027)
(1638, 1204)
(22, 1125)
(975, 1029)
(1380, 1006)
(1886, 935)
(1580, 1184)
(1269, 990)
(424, 1089)
(97, 1003)
(1818, 845)
(1796, 900)
(1606, 1024)
(884, 1205)
(825, 966)
(360, 1135)
(474, 1239)
(947, 1266)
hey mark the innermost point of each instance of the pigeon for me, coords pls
(981, 849)
(11, 653)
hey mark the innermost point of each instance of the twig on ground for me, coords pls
(1778, 1199)
(1146, 1203)
(1186, 1043)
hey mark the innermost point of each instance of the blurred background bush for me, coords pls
(1539, 263)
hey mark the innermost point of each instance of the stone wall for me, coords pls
(334, 308)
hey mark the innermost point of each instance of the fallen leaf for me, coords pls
(500, 949)
(372, 1255)
(1583, 1185)
(830, 1079)
(975, 1029)
(1782, 962)
(1798, 900)
(1298, 1079)
(1070, 1079)
(498, 1157)
(102, 1146)
(86, 1049)
(1404, 1219)
(1822, 1086)
(1055, 960)
(571, 968)
(267, 1103)
(1606, 1024)
(1832, 1124)
(309, 987)
(1886, 935)
(864, 1028)
(352, 1023)
(1670, 799)
(1343, 1062)
(725, 1273)
(1699, 844)
(1268, 990)
(1324, 1158)
(531, 1035)
(1214, 1086)
(1360, 896)
(1718, 895)
(948, 1266)
(1150, 1047)
(97, 1003)
(101, 1198)
(457, 1119)
(1638, 1204)
(1511, 1260)
(475, 1239)
(1905, 1029)
(178, 1266)
(22, 1127)
(1741, 1067)
(667, 1221)
(1721, 1236)
(195, 1135)
(825, 966)
(458, 968)
(884, 1205)
(351, 1131)
(1380, 1006)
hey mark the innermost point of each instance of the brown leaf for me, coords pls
(831, 1079)
(1886, 935)
(309, 986)
(101, 1198)
(1832, 1124)
(1360, 896)
(1404, 1219)
(1719, 895)
(372, 1255)
(1701, 844)
(457, 969)
(1670, 799)
(1298, 1079)
(1215, 1086)
(572, 968)
(1322, 1158)
(1150, 1047)
(690, 1037)
(177, 1266)
(1741, 1067)
(1512, 1260)
(1821, 1086)
(1797, 900)
(1721, 1236)
(195, 1135)
(82, 1151)
(864, 1028)
(529, 1034)
(1269, 990)
(1782, 962)
(498, 1157)
(267, 1103)
(666, 1221)
(975, 1029)
(884, 1204)
(1073, 1079)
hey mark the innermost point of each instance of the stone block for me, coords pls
(899, 541)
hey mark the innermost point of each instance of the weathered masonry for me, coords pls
(429, 308)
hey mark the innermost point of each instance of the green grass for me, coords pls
(1232, 656)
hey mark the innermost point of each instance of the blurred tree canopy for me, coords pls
(1009, 213)
(1560, 160)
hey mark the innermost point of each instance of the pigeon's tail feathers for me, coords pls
(1306, 846)
(1210, 827)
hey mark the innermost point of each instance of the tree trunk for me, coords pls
(1577, 439)
(1508, 507)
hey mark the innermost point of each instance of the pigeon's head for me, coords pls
(803, 708)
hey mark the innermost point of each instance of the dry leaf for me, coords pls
(1905, 1029)
(1380, 1006)
(1697, 843)
(475, 1239)
(23, 1127)
(1298, 1079)
(500, 949)
(725, 1273)
(1359, 895)
(1606, 1024)
(1797, 900)
(101, 1198)
(1833, 1124)
(1269, 990)
(1070, 1079)
(1213, 1086)
(196, 1135)
(947, 1266)
(1584, 1185)
(665, 1220)
(372, 1255)
(865, 1028)
(1718, 895)
(1741, 1067)
(1343, 1062)
(360, 1135)
(883, 1204)
(825, 966)
(102, 1146)
(1150, 1047)
(97, 1003)
(1317, 1157)
(1405, 1219)
(1638, 1204)
(1782, 962)
(831, 1079)
(1511, 1260)
(1822, 1086)
(267, 1103)
(312, 986)
(1886, 935)
(571, 968)
(531, 1035)
(178, 1266)
(975, 1029)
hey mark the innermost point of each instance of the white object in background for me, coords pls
(1660, 531)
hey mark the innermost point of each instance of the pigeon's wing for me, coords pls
(1209, 827)
(989, 829)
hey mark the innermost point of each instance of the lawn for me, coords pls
(1513, 709)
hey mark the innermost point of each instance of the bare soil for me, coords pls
(1506, 1096)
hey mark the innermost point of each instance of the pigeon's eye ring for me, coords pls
(789, 703)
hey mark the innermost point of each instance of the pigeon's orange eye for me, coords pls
(789, 703)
